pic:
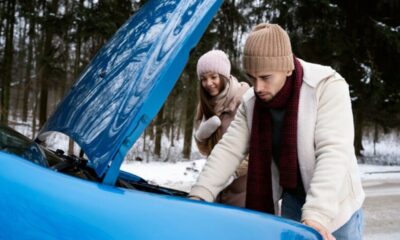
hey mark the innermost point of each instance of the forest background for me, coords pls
(45, 44)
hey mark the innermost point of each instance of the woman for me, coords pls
(220, 96)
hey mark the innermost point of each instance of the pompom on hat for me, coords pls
(214, 61)
(267, 48)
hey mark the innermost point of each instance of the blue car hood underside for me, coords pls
(128, 81)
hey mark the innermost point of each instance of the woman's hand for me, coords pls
(207, 128)
(321, 229)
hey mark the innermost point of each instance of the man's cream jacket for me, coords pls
(327, 162)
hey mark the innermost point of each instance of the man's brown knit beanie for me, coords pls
(267, 49)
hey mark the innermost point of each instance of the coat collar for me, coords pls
(314, 73)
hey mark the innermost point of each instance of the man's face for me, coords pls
(268, 84)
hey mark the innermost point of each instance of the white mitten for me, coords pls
(230, 180)
(207, 128)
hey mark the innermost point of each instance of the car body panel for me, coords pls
(38, 203)
(130, 78)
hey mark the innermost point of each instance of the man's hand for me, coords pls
(321, 229)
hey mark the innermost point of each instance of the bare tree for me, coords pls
(7, 63)
(159, 126)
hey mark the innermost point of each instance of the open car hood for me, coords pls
(125, 85)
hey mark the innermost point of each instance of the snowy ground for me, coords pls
(382, 204)
(384, 152)
(182, 175)
(381, 184)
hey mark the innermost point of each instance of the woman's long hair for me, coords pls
(206, 109)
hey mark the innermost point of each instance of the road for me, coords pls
(382, 209)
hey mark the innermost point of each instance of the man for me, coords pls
(297, 125)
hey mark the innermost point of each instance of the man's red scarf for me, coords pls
(259, 180)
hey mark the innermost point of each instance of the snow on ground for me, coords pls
(381, 206)
(385, 152)
(182, 175)
(370, 173)
(386, 142)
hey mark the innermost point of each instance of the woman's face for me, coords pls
(211, 82)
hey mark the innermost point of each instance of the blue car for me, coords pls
(48, 195)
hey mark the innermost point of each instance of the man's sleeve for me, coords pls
(334, 134)
(224, 158)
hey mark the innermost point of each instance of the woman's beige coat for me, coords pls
(326, 156)
(235, 192)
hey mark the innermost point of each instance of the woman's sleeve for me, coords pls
(224, 158)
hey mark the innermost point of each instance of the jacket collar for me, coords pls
(314, 73)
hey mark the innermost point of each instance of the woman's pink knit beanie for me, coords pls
(214, 61)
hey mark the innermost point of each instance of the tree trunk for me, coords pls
(376, 136)
(63, 86)
(77, 63)
(150, 130)
(179, 127)
(359, 120)
(67, 77)
(21, 70)
(172, 125)
(7, 61)
(159, 124)
(191, 99)
(44, 72)
(34, 114)
(144, 142)
(16, 101)
(2, 15)
(28, 72)
(44, 93)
